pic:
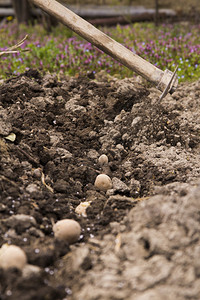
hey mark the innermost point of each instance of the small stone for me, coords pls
(30, 270)
(92, 134)
(26, 166)
(2, 207)
(110, 192)
(125, 137)
(118, 118)
(37, 173)
(10, 234)
(63, 153)
(93, 154)
(54, 140)
(120, 147)
(135, 186)
(135, 121)
(33, 190)
(119, 185)
(128, 174)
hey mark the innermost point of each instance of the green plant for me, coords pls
(62, 51)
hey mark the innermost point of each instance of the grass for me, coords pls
(62, 51)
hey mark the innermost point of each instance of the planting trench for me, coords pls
(140, 240)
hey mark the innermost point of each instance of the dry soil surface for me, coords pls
(140, 240)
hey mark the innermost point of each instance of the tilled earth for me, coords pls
(141, 239)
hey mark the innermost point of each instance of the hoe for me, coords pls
(166, 81)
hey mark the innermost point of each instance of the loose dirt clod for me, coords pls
(148, 223)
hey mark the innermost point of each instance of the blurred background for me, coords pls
(141, 10)
(164, 32)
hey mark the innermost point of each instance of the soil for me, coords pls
(140, 240)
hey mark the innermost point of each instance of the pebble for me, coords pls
(2, 207)
(30, 270)
(92, 134)
(93, 154)
(119, 185)
(33, 190)
(135, 121)
(37, 173)
(63, 153)
(135, 185)
(120, 147)
(125, 137)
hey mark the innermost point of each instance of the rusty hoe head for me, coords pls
(168, 83)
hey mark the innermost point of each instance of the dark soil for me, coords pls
(140, 240)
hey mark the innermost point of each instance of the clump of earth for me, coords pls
(140, 239)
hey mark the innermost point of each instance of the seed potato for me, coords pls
(103, 159)
(103, 182)
(12, 256)
(67, 230)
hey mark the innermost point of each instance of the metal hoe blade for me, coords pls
(166, 81)
(168, 87)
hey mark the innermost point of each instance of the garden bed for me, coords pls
(141, 238)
